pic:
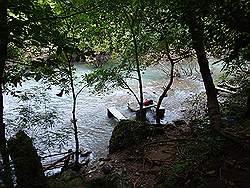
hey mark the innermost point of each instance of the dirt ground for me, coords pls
(149, 163)
(144, 165)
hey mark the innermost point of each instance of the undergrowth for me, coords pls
(199, 157)
(202, 155)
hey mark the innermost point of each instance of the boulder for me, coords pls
(128, 133)
(27, 164)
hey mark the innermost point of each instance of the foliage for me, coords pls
(66, 180)
(176, 169)
(196, 106)
(111, 75)
(227, 36)
(46, 34)
(199, 155)
(231, 106)
(29, 42)
(41, 28)
(72, 179)
(35, 116)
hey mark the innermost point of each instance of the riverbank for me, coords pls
(141, 160)
(172, 157)
(175, 155)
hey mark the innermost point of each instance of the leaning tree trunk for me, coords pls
(4, 33)
(164, 93)
(196, 30)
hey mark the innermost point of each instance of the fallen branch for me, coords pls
(230, 87)
(58, 161)
(53, 155)
(224, 90)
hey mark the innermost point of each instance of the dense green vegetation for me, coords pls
(44, 39)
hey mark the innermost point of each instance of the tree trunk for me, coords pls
(247, 113)
(74, 115)
(164, 93)
(4, 33)
(196, 30)
(248, 107)
(142, 115)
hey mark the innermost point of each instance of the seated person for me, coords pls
(147, 102)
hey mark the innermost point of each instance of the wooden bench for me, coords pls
(113, 112)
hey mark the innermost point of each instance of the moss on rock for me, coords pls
(28, 168)
(128, 133)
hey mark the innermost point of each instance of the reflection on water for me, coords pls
(95, 127)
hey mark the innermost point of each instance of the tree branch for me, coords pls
(80, 90)
(129, 88)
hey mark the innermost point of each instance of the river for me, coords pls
(55, 134)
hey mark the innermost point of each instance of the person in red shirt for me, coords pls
(147, 102)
